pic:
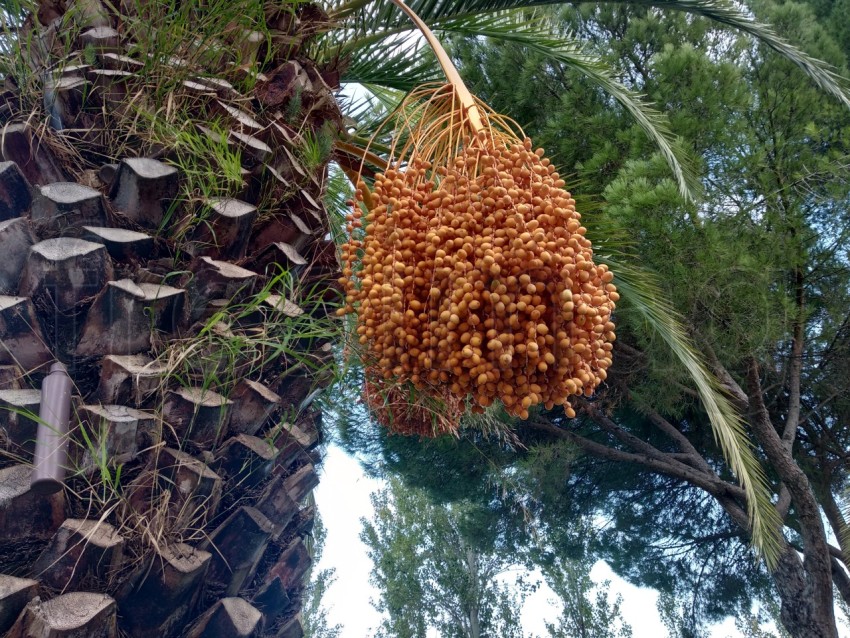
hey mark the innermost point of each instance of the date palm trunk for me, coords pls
(163, 236)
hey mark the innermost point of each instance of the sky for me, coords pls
(343, 499)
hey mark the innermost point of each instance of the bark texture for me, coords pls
(180, 509)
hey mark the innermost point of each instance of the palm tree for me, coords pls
(163, 220)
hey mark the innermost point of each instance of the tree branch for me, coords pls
(684, 443)
(836, 520)
(815, 550)
(792, 418)
(783, 504)
(656, 461)
(736, 393)
(841, 580)
(735, 511)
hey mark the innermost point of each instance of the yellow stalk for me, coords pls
(466, 98)
(363, 155)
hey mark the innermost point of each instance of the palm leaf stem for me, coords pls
(354, 140)
(452, 75)
(362, 154)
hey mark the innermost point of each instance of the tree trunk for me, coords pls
(474, 620)
(811, 608)
(161, 326)
(801, 616)
(805, 585)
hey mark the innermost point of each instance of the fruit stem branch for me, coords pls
(452, 75)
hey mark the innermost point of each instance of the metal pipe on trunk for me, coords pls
(51, 445)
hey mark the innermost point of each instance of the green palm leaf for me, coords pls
(538, 35)
(645, 298)
(379, 15)
(821, 73)
(405, 66)
(401, 65)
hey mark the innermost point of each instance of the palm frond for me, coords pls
(365, 105)
(386, 98)
(645, 298)
(405, 67)
(538, 36)
(338, 192)
(402, 63)
(726, 13)
(380, 15)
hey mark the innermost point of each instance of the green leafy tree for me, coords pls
(587, 611)
(314, 611)
(756, 624)
(438, 566)
(677, 619)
